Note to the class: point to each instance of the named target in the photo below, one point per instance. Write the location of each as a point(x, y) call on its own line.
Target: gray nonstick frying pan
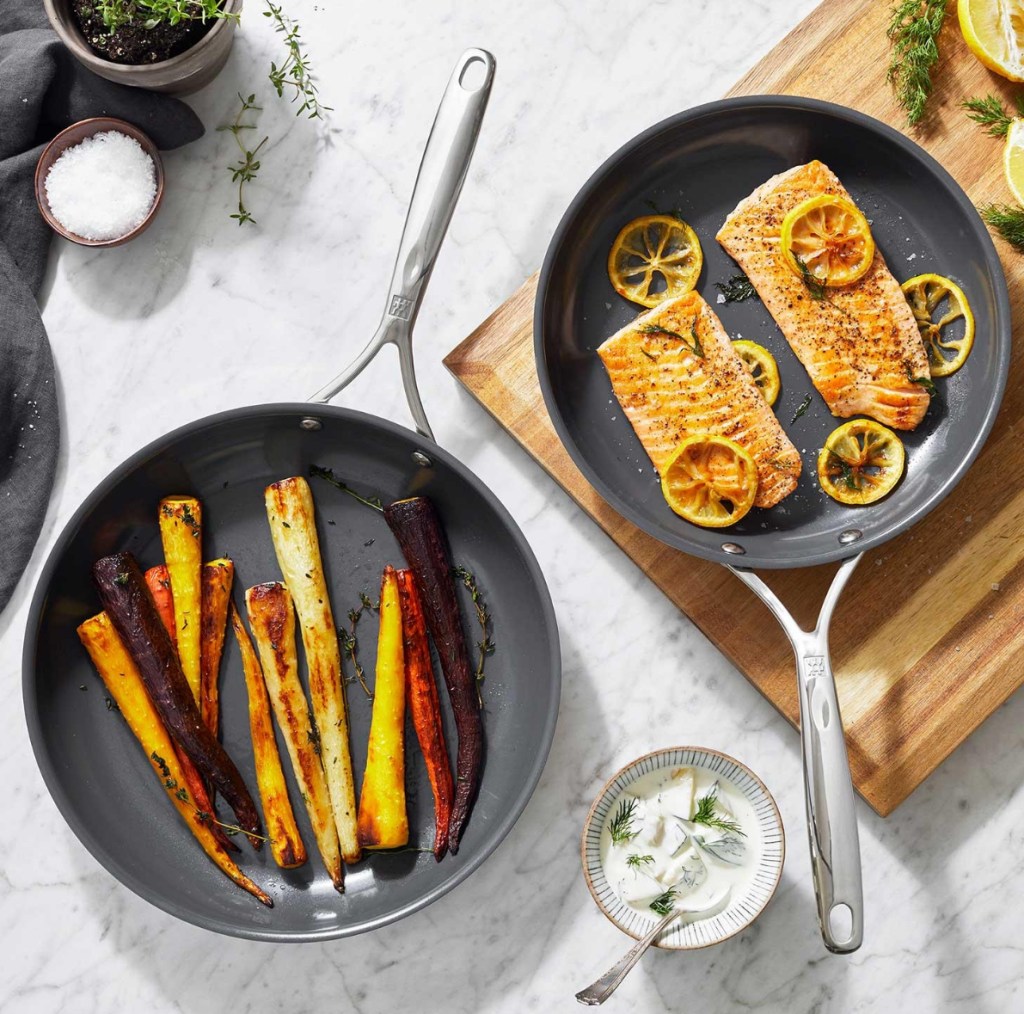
point(92, 765)
point(702, 162)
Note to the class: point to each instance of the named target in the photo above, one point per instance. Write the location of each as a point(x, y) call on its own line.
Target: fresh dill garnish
point(621, 825)
point(295, 73)
point(665, 902)
point(706, 807)
point(695, 347)
point(845, 469)
point(248, 165)
point(913, 30)
point(737, 289)
point(318, 472)
point(991, 114)
point(727, 849)
point(804, 406)
point(487, 646)
point(636, 860)
point(671, 213)
point(814, 285)
point(1007, 220)
point(926, 382)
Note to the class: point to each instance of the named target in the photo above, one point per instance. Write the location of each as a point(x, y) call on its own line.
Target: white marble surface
point(943, 876)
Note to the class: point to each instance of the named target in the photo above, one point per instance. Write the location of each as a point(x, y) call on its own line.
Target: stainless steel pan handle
point(831, 815)
point(438, 184)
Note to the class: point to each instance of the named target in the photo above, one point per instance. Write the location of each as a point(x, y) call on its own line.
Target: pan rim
point(751, 558)
point(499, 830)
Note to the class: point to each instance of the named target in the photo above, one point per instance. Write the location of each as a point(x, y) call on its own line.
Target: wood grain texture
point(924, 640)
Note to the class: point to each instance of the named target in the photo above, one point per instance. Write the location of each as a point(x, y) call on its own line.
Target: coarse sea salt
point(103, 187)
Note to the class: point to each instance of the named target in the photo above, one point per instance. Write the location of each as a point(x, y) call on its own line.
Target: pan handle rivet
point(731, 547)
point(421, 459)
point(850, 535)
point(311, 424)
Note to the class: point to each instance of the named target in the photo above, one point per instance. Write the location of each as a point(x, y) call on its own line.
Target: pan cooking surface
point(93, 765)
point(703, 162)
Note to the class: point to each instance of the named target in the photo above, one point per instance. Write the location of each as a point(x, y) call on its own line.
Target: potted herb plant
point(174, 46)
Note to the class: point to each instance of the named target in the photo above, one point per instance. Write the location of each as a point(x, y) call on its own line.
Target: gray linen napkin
point(42, 90)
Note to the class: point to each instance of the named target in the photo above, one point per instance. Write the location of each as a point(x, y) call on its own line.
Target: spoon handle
point(599, 991)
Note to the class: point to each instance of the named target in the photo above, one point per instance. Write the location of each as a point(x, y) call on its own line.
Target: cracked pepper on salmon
point(859, 343)
point(672, 384)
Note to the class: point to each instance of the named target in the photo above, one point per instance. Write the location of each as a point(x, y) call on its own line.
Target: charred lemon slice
point(926, 294)
point(861, 461)
point(827, 238)
point(762, 366)
point(655, 258)
point(710, 480)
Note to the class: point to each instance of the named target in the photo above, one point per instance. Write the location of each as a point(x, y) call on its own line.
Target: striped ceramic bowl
point(742, 910)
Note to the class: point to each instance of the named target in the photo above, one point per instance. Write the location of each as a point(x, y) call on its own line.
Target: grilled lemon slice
point(655, 258)
point(861, 461)
point(762, 366)
point(710, 480)
point(829, 239)
point(925, 294)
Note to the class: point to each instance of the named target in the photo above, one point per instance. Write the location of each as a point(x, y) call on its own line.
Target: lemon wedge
point(994, 33)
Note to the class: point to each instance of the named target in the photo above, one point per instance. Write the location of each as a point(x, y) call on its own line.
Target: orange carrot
point(425, 707)
point(159, 584)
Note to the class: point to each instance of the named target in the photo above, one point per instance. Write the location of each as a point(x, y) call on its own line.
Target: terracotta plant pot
point(184, 73)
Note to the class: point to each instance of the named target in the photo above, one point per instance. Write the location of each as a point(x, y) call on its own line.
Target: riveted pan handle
point(438, 184)
point(828, 789)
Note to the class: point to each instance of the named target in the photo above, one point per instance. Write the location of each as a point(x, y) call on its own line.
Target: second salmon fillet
point(860, 343)
point(672, 385)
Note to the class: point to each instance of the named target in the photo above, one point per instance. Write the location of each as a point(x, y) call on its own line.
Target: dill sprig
point(991, 114)
point(737, 289)
point(1007, 220)
point(487, 646)
point(349, 643)
point(248, 165)
point(913, 30)
point(814, 285)
point(926, 382)
point(296, 72)
point(665, 902)
point(846, 471)
point(636, 861)
point(706, 814)
point(803, 407)
point(621, 825)
point(668, 213)
point(694, 346)
point(318, 472)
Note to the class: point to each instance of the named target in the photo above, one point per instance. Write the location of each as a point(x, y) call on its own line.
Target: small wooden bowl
point(75, 134)
point(741, 911)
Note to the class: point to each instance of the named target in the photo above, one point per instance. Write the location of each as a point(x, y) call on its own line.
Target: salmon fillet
point(669, 391)
point(860, 343)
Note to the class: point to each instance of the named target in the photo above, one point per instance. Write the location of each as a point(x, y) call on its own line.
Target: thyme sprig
point(318, 472)
point(150, 13)
point(487, 646)
point(248, 165)
point(230, 829)
point(621, 825)
point(737, 289)
point(707, 807)
point(665, 902)
point(991, 114)
point(693, 344)
point(913, 30)
point(349, 642)
point(1007, 220)
point(296, 72)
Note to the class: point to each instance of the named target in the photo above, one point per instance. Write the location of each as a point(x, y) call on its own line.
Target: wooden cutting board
point(924, 638)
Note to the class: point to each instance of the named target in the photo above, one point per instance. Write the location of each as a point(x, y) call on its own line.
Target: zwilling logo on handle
point(814, 665)
point(400, 307)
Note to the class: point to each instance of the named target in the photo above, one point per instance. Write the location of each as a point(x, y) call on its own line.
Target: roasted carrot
point(272, 618)
point(285, 841)
point(383, 820)
point(127, 601)
point(216, 595)
point(417, 528)
point(160, 586)
point(158, 582)
point(181, 532)
point(121, 677)
point(425, 707)
point(292, 520)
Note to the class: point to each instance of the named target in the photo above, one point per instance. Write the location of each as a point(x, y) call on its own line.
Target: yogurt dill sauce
point(681, 839)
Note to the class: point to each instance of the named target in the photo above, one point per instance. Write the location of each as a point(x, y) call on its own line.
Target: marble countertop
point(943, 928)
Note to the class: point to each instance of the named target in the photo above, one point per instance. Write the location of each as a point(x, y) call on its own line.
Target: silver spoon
point(599, 991)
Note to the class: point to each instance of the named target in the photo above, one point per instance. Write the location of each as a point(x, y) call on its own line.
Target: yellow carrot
point(181, 532)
